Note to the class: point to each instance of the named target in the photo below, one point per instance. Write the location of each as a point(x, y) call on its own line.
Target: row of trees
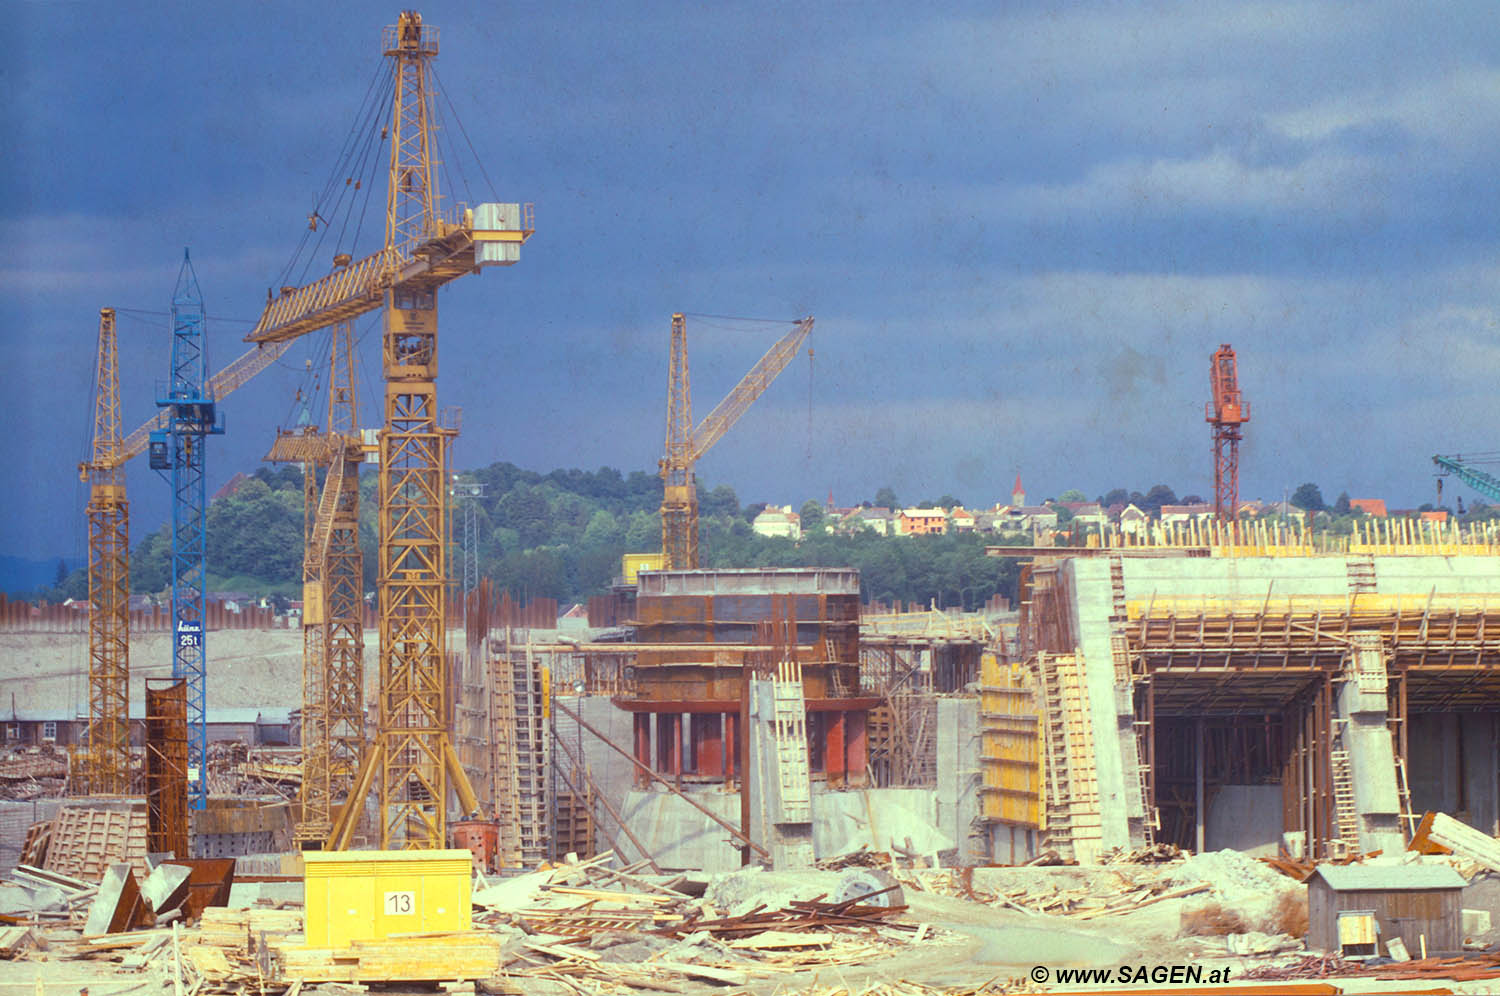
point(561, 535)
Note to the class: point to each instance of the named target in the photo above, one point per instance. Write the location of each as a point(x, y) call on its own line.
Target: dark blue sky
point(1022, 234)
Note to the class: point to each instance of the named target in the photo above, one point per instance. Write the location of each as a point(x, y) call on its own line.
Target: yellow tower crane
point(333, 735)
point(105, 767)
point(412, 765)
point(685, 444)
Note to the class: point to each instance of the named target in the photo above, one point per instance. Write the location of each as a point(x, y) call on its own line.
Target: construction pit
point(1171, 765)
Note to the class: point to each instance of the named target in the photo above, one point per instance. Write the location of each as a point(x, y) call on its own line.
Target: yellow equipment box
point(370, 895)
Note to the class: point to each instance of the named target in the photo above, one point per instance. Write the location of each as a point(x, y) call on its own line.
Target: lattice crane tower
point(412, 765)
point(179, 448)
point(1227, 412)
point(106, 763)
point(686, 444)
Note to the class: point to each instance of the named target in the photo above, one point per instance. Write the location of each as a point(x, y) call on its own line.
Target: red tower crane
point(1226, 413)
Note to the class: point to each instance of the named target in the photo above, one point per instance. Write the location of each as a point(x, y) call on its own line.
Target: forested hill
point(561, 535)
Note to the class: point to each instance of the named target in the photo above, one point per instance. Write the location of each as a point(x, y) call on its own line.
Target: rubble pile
point(33, 774)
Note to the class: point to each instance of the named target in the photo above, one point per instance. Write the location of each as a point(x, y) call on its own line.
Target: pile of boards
point(1081, 902)
point(575, 924)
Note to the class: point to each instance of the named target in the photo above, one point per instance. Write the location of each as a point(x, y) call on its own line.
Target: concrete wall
point(1244, 818)
point(1252, 577)
point(1115, 754)
point(1087, 586)
point(612, 773)
point(681, 837)
point(1435, 769)
point(958, 779)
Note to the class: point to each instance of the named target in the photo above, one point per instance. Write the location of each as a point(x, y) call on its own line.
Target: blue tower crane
point(177, 450)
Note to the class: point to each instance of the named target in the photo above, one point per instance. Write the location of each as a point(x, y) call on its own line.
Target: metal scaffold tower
point(106, 764)
point(191, 418)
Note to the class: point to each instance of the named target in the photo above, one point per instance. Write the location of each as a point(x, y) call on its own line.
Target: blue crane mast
point(178, 451)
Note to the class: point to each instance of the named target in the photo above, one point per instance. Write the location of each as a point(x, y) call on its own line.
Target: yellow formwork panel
point(371, 895)
point(631, 564)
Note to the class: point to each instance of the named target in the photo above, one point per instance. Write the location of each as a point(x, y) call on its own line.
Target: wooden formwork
point(86, 841)
point(1010, 758)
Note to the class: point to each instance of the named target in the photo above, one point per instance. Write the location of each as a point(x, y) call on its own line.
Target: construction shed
point(1409, 901)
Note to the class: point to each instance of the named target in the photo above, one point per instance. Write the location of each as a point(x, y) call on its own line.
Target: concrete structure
point(1359, 689)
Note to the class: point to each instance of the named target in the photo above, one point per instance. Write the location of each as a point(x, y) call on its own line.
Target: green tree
point(812, 517)
point(1153, 500)
point(1308, 498)
point(886, 498)
point(1072, 494)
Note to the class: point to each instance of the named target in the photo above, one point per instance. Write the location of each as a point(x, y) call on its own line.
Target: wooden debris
point(1459, 838)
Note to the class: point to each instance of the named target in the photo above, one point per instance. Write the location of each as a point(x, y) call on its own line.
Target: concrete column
point(731, 745)
point(673, 760)
point(642, 747)
point(1198, 785)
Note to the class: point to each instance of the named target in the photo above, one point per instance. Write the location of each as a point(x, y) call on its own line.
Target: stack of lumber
point(460, 955)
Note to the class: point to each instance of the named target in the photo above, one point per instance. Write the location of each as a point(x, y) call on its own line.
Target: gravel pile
point(1233, 875)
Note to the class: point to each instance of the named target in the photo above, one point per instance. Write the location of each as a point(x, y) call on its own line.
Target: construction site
point(1230, 754)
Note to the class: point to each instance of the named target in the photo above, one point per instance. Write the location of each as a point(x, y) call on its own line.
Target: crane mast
point(685, 445)
point(412, 765)
point(1227, 412)
point(679, 502)
point(179, 449)
point(106, 764)
point(333, 739)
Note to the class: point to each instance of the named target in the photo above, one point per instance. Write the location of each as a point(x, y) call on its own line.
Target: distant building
point(779, 520)
point(1018, 494)
point(876, 519)
point(1183, 514)
point(923, 521)
point(961, 520)
point(1027, 519)
point(1086, 512)
point(231, 486)
point(1373, 507)
point(1132, 521)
